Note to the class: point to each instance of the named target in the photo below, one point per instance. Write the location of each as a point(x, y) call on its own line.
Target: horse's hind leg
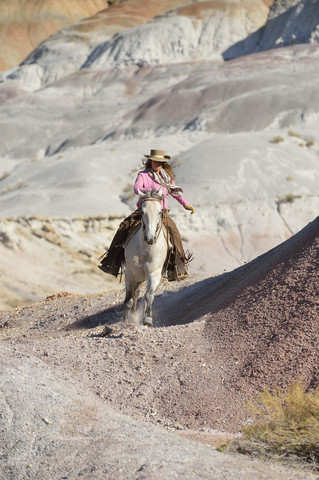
point(128, 301)
point(135, 297)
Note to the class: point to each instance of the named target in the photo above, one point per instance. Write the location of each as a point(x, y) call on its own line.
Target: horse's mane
point(152, 194)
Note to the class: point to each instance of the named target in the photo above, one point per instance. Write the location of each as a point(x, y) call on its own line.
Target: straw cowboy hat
point(158, 156)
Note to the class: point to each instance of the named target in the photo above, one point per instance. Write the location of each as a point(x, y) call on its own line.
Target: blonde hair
point(167, 167)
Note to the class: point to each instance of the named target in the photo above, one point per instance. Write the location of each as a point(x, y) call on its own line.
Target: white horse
point(145, 253)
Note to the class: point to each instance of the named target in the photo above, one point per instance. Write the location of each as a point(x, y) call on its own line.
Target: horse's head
point(151, 214)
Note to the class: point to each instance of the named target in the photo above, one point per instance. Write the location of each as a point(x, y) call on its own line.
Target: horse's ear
point(140, 193)
point(160, 192)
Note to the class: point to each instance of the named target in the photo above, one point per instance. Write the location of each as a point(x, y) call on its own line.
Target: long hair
point(167, 167)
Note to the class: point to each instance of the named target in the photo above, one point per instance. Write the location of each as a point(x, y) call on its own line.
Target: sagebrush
point(287, 425)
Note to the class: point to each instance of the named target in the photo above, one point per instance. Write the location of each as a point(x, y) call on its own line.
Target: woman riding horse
point(158, 173)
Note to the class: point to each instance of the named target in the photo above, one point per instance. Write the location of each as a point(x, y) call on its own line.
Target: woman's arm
point(182, 200)
point(139, 183)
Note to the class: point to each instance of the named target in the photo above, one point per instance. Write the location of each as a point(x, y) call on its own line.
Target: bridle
point(159, 224)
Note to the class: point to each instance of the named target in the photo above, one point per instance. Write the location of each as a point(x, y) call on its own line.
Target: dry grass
point(277, 139)
point(288, 198)
point(11, 188)
point(287, 426)
point(4, 175)
point(310, 143)
point(292, 133)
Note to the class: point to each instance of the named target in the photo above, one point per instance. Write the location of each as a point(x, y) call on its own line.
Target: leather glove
point(189, 207)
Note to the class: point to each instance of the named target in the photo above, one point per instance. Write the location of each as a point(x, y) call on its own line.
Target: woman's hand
point(189, 207)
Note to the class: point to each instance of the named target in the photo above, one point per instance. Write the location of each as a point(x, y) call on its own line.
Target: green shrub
point(287, 425)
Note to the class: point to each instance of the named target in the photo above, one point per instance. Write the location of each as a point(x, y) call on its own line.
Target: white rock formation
point(210, 27)
point(290, 22)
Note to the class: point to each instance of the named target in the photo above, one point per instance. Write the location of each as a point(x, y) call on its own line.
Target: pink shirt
point(145, 182)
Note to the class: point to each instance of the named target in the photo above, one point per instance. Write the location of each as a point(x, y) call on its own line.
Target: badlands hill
point(81, 110)
point(26, 23)
point(78, 385)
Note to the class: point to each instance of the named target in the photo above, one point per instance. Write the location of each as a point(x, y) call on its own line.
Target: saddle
point(112, 261)
point(171, 249)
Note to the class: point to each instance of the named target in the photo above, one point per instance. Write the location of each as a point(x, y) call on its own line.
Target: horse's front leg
point(130, 301)
point(153, 282)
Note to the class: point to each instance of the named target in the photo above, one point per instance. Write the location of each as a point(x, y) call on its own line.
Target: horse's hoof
point(148, 322)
